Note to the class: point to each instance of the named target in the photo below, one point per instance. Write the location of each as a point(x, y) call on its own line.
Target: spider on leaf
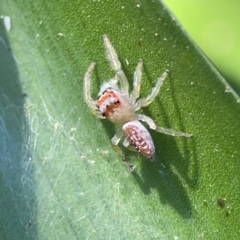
point(117, 105)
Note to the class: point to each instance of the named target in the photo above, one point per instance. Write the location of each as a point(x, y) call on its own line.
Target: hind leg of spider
point(115, 140)
point(128, 145)
point(167, 131)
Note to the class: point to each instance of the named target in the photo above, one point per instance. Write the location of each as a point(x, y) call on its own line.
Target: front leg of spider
point(117, 105)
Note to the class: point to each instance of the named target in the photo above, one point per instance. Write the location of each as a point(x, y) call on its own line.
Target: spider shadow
point(169, 176)
point(171, 172)
point(174, 169)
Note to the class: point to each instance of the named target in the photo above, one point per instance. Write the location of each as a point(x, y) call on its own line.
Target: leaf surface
point(60, 177)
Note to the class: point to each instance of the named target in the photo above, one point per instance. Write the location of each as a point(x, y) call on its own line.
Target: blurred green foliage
point(214, 26)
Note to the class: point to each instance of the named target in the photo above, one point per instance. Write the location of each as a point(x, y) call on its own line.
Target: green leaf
point(60, 177)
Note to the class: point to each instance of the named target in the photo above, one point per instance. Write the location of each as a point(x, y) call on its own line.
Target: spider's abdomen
point(115, 106)
point(140, 138)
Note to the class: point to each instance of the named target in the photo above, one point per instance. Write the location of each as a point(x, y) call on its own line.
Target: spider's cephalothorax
point(117, 105)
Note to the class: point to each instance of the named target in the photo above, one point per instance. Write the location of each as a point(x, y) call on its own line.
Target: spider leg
point(167, 131)
point(136, 83)
point(87, 92)
point(115, 140)
point(115, 64)
point(128, 145)
point(143, 102)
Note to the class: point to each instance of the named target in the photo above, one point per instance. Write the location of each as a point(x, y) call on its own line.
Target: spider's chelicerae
point(117, 105)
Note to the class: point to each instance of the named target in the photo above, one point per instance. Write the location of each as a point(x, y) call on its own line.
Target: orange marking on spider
point(108, 102)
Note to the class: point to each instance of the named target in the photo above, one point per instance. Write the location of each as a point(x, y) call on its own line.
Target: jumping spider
point(117, 105)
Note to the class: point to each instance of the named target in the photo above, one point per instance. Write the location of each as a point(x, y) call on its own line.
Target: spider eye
point(102, 93)
point(116, 102)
